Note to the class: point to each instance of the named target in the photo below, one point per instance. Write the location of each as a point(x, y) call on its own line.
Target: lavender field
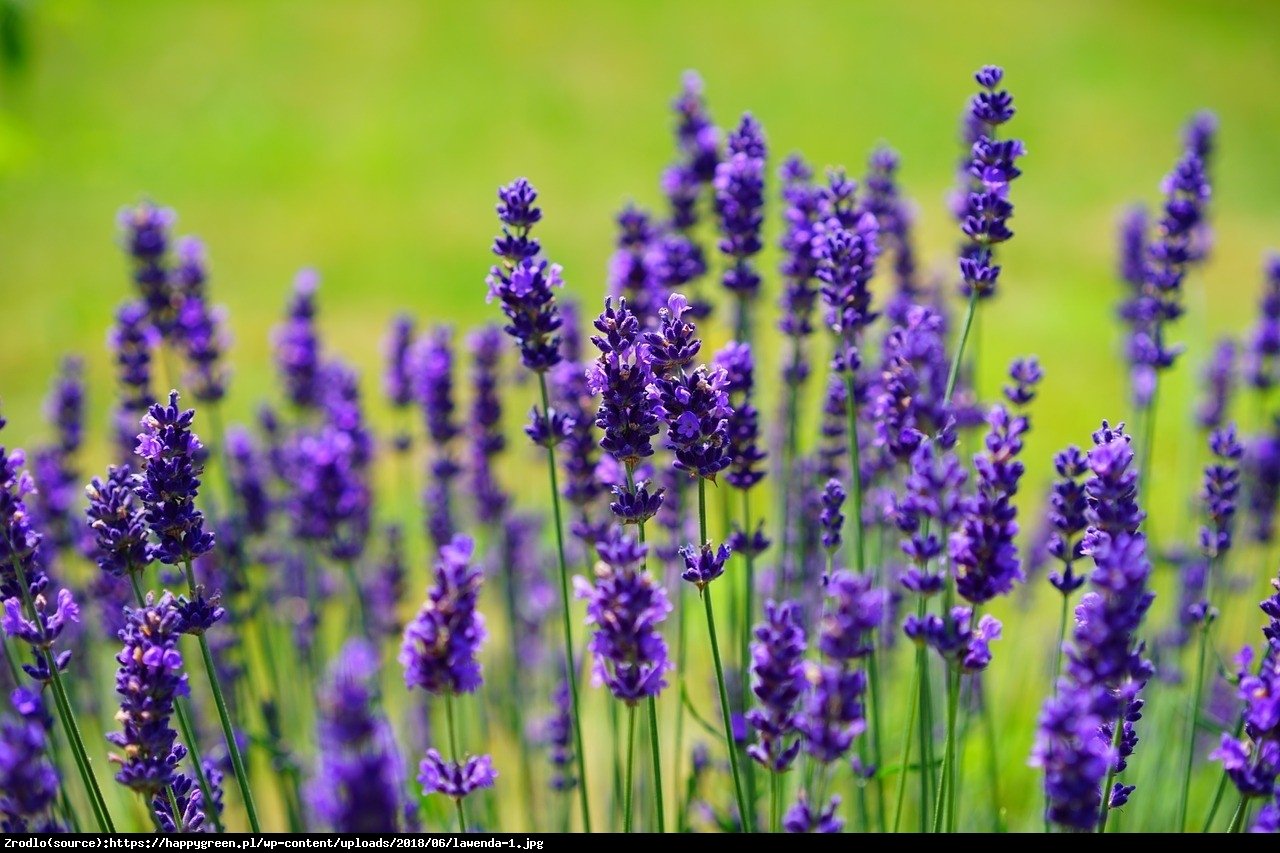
point(822, 507)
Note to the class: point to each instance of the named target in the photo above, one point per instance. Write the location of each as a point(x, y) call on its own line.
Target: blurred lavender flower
point(146, 239)
point(433, 375)
point(397, 377)
point(801, 817)
point(1221, 492)
point(743, 422)
point(1066, 517)
point(359, 779)
point(297, 344)
point(739, 197)
point(54, 467)
point(441, 643)
point(1219, 382)
point(777, 666)
point(485, 424)
point(28, 779)
point(893, 218)
point(133, 340)
point(456, 779)
point(1262, 352)
point(799, 266)
point(248, 471)
point(631, 273)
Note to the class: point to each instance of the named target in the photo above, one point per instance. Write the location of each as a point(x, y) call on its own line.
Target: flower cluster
point(739, 188)
point(778, 682)
point(743, 423)
point(28, 779)
point(298, 344)
point(441, 643)
point(523, 283)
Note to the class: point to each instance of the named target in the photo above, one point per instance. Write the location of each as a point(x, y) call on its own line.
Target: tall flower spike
point(522, 283)
point(833, 496)
point(621, 376)
point(992, 167)
point(627, 608)
point(28, 779)
point(744, 420)
point(133, 340)
point(360, 778)
point(631, 269)
point(433, 372)
point(1221, 492)
point(147, 236)
point(149, 680)
point(778, 682)
point(1112, 491)
point(1066, 516)
point(441, 643)
point(397, 379)
point(54, 465)
point(1262, 355)
point(799, 266)
point(298, 344)
point(739, 186)
point(202, 330)
point(1219, 381)
point(485, 424)
point(169, 482)
point(847, 257)
point(118, 522)
point(893, 216)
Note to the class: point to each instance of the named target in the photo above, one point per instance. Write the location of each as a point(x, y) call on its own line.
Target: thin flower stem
point(184, 724)
point(744, 664)
point(942, 809)
point(1197, 693)
point(1148, 445)
point(905, 755)
point(775, 802)
point(790, 448)
point(515, 686)
point(1237, 819)
point(228, 731)
point(652, 702)
point(453, 754)
point(953, 375)
point(743, 813)
point(630, 782)
point(65, 713)
point(564, 614)
point(926, 731)
point(349, 568)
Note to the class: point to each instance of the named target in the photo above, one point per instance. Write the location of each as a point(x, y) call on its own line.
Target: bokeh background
point(366, 139)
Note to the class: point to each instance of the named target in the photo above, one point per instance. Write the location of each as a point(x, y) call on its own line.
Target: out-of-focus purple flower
point(397, 376)
point(743, 421)
point(983, 553)
point(1268, 819)
point(385, 587)
point(573, 396)
point(854, 611)
point(832, 446)
point(297, 344)
point(799, 266)
point(992, 168)
point(894, 218)
point(1025, 374)
point(1221, 492)
point(777, 666)
point(433, 379)
point(1219, 382)
point(1074, 758)
point(190, 271)
point(248, 471)
point(631, 270)
point(954, 636)
point(704, 564)
point(833, 496)
point(455, 779)
point(832, 714)
point(28, 779)
point(1262, 483)
point(202, 331)
point(558, 730)
point(439, 653)
point(118, 522)
point(802, 817)
point(933, 503)
point(550, 428)
point(627, 608)
point(846, 263)
point(133, 340)
point(359, 781)
point(1262, 353)
point(170, 481)
point(894, 405)
point(146, 239)
point(698, 141)
point(54, 465)
point(739, 195)
point(523, 283)
point(485, 424)
point(149, 680)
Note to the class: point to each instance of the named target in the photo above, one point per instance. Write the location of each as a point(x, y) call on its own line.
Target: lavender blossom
point(1066, 517)
point(1221, 492)
point(485, 424)
point(28, 779)
point(801, 817)
point(54, 466)
point(359, 777)
point(397, 377)
point(149, 680)
point(133, 340)
point(441, 643)
point(573, 396)
point(248, 473)
point(739, 196)
point(627, 608)
point(201, 329)
point(799, 266)
point(1262, 352)
point(698, 141)
point(559, 735)
point(777, 666)
point(631, 275)
point(743, 423)
point(621, 376)
point(191, 815)
point(695, 407)
point(433, 373)
point(169, 482)
point(118, 522)
point(456, 779)
point(992, 168)
point(894, 218)
point(847, 258)
point(297, 344)
point(523, 283)
point(146, 239)
point(833, 496)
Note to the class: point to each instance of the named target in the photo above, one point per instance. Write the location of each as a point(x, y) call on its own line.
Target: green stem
point(1197, 693)
point(630, 781)
point(228, 731)
point(65, 713)
point(1148, 445)
point(743, 813)
point(942, 809)
point(993, 761)
point(954, 374)
point(515, 686)
point(904, 758)
point(1237, 819)
point(564, 614)
point(349, 568)
point(453, 754)
point(744, 664)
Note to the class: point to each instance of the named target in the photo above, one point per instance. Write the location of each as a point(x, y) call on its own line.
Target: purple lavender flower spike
point(169, 482)
point(621, 376)
point(523, 283)
point(982, 550)
point(456, 779)
point(359, 777)
point(1066, 517)
point(675, 344)
point(856, 609)
point(744, 420)
point(146, 238)
point(627, 608)
point(550, 428)
point(832, 520)
point(739, 196)
point(201, 329)
point(799, 265)
point(895, 403)
point(1074, 759)
point(397, 377)
point(249, 472)
point(433, 374)
point(1263, 483)
point(846, 264)
point(188, 797)
point(698, 141)
point(54, 465)
point(133, 340)
point(190, 271)
point(439, 653)
point(1262, 352)
point(298, 344)
point(485, 424)
point(1221, 492)
point(992, 168)
point(894, 218)
point(632, 267)
point(695, 407)
point(777, 666)
point(149, 680)
point(118, 522)
point(573, 395)
point(1219, 382)
point(833, 713)
point(802, 818)
point(28, 778)
point(558, 731)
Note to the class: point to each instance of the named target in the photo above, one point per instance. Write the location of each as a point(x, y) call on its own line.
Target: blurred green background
point(366, 139)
